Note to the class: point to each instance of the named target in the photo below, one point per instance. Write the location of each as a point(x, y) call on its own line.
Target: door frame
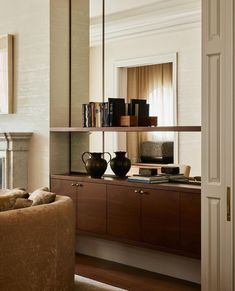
point(218, 149)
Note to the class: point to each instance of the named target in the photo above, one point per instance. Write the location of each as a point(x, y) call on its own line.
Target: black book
point(116, 109)
point(105, 114)
point(85, 115)
point(89, 115)
point(137, 106)
point(143, 110)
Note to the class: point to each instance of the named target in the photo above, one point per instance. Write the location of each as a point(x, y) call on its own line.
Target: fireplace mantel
point(14, 148)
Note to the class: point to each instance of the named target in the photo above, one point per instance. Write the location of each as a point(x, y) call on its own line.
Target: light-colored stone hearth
point(14, 148)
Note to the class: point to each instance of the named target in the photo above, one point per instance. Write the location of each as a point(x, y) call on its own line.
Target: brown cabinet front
point(160, 218)
point(123, 212)
point(65, 188)
point(91, 207)
point(190, 221)
point(89, 203)
point(166, 219)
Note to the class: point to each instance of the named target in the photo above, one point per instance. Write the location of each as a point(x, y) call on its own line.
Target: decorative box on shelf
point(131, 120)
point(147, 121)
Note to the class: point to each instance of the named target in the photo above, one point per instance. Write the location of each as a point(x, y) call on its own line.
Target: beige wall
point(59, 81)
point(59, 84)
point(187, 43)
point(28, 21)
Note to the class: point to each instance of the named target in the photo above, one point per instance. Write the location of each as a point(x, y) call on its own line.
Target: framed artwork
point(6, 74)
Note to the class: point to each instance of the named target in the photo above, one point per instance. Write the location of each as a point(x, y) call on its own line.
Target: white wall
point(187, 43)
point(28, 21)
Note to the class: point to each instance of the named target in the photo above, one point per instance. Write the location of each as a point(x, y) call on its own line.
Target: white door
point(217, 145)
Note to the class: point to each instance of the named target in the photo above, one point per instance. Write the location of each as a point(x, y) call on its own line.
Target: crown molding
point(160, 17)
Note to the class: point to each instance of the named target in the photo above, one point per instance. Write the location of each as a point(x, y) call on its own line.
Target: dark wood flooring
point(129, 278)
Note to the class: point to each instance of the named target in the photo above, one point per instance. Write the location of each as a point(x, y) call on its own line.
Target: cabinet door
point(64, 188)
point(123, 212)
point(160, 218)
point(91, 208)
point(190, 221)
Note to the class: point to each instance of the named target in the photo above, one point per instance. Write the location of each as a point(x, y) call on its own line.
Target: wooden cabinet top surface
point(112, 180)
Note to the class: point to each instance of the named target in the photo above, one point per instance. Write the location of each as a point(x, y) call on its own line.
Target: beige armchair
point(37, 247)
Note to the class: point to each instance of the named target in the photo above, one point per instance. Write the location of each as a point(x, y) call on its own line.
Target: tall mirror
point(152, 52)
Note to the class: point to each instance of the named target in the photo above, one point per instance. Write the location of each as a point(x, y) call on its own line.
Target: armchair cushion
point(42, 196)
point(17, 192)
point(8, 202)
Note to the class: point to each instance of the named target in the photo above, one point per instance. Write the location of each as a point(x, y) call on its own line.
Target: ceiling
point(114, 6)
point(132, 18)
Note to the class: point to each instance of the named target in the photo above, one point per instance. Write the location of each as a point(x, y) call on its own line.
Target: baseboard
point(163, 263)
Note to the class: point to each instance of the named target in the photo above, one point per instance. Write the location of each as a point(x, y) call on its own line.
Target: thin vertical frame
point(6, 74)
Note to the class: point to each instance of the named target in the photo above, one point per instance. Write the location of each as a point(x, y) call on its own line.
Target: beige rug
point(85, 284)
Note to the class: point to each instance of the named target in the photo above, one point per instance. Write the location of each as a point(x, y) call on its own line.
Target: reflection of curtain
point(3, 76)
point(153, 83)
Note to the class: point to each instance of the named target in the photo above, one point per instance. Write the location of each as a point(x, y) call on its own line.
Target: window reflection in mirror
point(6, 70)
point(153, 83)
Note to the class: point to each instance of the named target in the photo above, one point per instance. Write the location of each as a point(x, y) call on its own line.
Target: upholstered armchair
point(37, 247)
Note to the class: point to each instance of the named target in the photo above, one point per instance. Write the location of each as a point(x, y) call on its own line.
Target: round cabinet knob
point(79, 185)
point(136, 191)
point(142, 192)
point(73, 184)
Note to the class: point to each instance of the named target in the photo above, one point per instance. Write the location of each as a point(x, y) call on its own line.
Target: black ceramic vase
point(95, 165)
point(120, 165)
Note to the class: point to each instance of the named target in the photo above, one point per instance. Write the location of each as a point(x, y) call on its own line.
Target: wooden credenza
point(166, 216)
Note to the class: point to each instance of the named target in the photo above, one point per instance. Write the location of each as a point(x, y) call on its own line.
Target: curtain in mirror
point(154, 84)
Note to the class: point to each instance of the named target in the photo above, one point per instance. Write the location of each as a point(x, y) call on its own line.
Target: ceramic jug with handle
point(95, 164)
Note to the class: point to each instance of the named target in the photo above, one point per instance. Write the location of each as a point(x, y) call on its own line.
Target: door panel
point(217, 139)
point(160, 218)
point(64, 188)
point(123, 212)
point(91, 207)
point(190, 223)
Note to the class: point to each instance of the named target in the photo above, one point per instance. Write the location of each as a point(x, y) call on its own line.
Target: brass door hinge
point(228, 204)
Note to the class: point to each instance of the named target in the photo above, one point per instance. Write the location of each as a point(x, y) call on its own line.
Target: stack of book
point(111, 113)
point(148, 179)
point(180, 178)
point(103, 114)
point(162, 178)
point(95, 114)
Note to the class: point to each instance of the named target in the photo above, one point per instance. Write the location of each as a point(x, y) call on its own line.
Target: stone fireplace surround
point(14, 148)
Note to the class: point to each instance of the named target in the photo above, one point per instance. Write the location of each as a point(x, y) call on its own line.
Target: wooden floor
point(127, 277)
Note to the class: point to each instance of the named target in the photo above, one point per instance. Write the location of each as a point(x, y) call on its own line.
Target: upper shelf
point(127, 129)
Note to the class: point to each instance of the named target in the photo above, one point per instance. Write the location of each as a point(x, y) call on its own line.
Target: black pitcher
point(120, 165)
point(95, 165)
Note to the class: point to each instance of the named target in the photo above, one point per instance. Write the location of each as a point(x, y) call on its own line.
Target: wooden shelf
point(127, 129)
point(113, 180)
